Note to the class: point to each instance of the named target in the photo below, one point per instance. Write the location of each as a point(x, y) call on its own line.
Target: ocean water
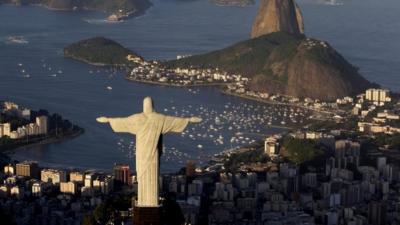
point(364, 31)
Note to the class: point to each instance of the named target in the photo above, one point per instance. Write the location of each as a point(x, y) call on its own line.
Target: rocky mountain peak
point(278, 16)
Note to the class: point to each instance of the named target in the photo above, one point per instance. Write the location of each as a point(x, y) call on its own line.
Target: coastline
point(271, 102)
point(131, 14)
point(223, 91)
point(175, 85)
point(221, 86)
point(10, 148)
point(92, 63)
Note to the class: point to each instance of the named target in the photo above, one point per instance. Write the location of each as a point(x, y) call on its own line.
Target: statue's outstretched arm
point(195, 120)
point(103, 119)
point(177, 124)
point(128, 124)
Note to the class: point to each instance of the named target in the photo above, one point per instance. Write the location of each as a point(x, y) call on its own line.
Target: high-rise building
point(377, 212)
point(53, 176)
point(103, 184)
point(122, 174)
point(9, 169)
point(345, 148)
point(309, 180)
point(68, 188)
point(377, 95)
point(39, 187)
point(271, 146)
point(5, 130)
point(27, 169)
point(42, 122)
point(17, 192)
point(381, 164)
point(89, 177)
point(76, 177)
point(190, 168)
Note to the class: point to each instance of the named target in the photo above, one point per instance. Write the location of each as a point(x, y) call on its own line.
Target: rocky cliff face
point(276, 16)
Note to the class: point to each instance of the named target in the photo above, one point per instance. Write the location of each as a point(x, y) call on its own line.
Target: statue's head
point(148, 105)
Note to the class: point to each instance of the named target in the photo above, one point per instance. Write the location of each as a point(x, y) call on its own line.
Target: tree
point(88, 220)
point(171, 211)
point(103, 212)
point(300, 150)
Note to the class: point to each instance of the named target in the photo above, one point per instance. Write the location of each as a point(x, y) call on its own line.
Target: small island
point(240, 3)
point(100, 51)
point(22, 127)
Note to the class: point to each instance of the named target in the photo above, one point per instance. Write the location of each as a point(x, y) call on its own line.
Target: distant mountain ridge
point(118, 7)
point(241, 3)
point(282, 63)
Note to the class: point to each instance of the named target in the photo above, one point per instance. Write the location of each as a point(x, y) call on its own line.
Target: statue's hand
point(102, 119)
point(195, 120)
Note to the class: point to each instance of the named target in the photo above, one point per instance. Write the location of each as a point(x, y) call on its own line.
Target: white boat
point(109, 88)
point(333, 2)
point(17, 40)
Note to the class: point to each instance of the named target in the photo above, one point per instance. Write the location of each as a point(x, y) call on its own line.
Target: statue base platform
point(146, 215)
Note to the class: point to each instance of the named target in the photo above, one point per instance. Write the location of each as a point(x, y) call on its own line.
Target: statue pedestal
point(146, 215)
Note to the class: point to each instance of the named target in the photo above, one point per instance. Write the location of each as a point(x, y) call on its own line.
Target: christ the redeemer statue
point(148, 126)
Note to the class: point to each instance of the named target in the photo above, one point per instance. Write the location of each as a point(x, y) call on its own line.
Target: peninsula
point(99, 51)
point(21, 127)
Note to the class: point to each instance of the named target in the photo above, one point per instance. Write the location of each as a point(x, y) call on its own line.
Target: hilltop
point(99, 51)
point(278, 16)
point(282, 63)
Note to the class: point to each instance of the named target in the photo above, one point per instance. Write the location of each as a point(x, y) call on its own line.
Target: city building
point(9, 170)
point(42, 123)
point(38, 188)
point(27, 169)
point(5, 130)
point(76, 176)
point(68, 187)
point(271, 146)
point(122, 174)
point(53, 176)
point(103, 184)
point(89, 177)
point(377, 213)
point(17, 192)
point(377, 96)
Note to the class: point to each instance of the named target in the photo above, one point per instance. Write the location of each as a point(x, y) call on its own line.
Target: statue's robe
point(148, 127)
